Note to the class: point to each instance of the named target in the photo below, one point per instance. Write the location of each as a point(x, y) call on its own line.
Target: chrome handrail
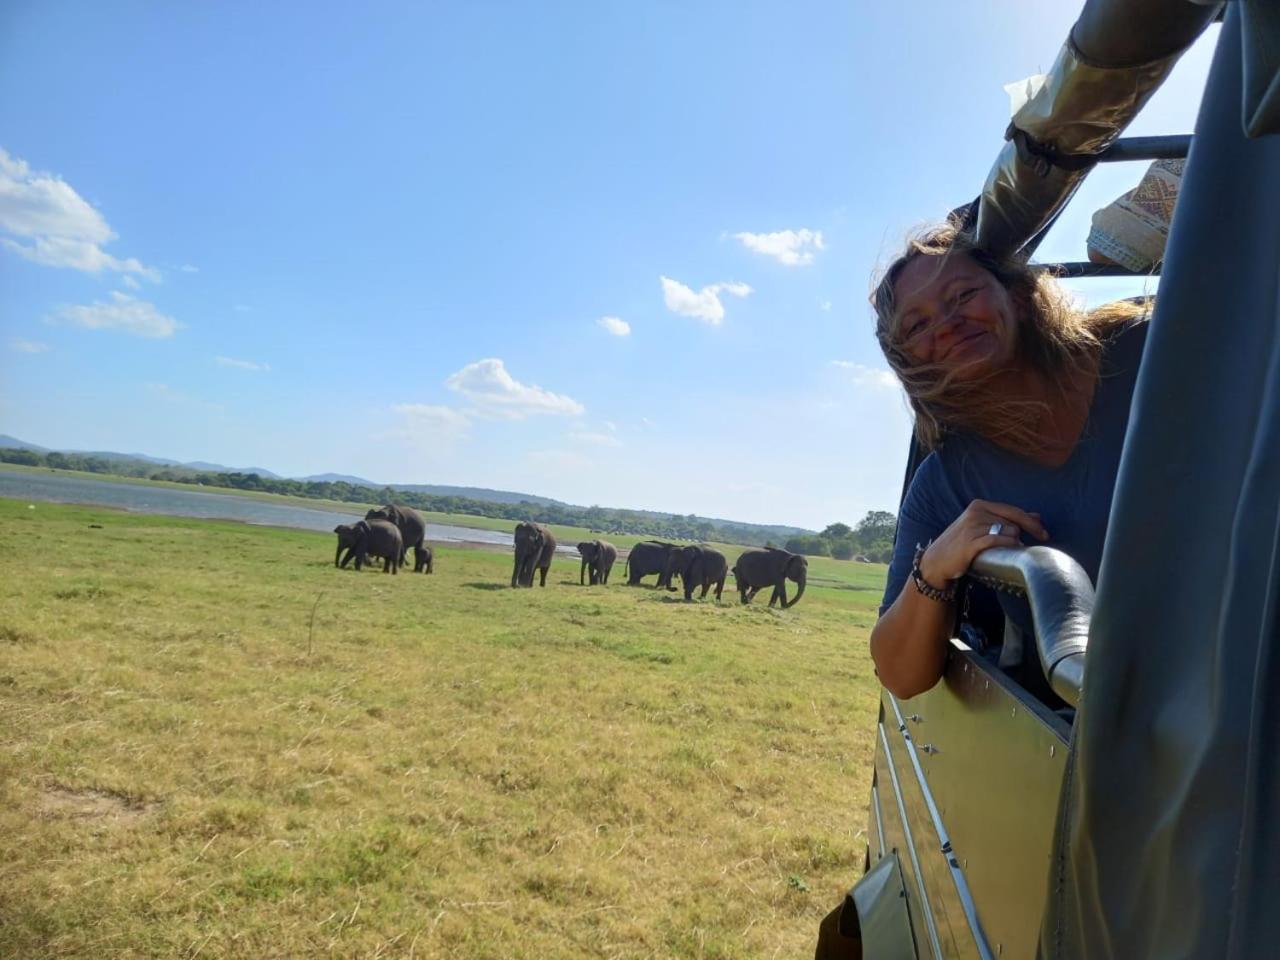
point(1060, 595)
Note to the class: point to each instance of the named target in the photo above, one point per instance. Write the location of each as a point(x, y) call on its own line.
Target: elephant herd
point(386, 533)
point(696, 566)
point(390, 531)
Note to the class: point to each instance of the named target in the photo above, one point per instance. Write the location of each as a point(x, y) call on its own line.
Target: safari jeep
point(1131, 808)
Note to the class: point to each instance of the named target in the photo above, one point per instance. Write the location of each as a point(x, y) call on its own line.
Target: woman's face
point(953, 313)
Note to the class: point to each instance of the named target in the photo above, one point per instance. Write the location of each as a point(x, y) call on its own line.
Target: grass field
point(435, 767)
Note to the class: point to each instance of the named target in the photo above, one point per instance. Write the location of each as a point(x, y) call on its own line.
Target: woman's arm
point(909, 641)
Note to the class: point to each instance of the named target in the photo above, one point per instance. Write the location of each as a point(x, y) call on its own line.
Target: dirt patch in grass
point(59, 802)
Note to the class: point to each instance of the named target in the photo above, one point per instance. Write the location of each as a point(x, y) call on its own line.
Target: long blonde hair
point(1055, 340)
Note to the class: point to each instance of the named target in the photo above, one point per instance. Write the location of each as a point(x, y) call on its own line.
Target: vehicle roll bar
point(1061, 598)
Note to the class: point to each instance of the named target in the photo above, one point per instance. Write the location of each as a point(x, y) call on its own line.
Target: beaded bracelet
point(924, 586)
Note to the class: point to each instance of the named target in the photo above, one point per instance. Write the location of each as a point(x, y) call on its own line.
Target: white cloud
point(189, 268)
point(131, 283)
point(824, 306)
point(425, 421)
point(794, 248)
point(865, 376)
point(60, 228)
point(488, 385)
point(241, 308)
point(124, 313)
point(28, 346)
point(610, 425)
point(242, 364)
point(595, 439)
point(705, 304)
point(615, 325)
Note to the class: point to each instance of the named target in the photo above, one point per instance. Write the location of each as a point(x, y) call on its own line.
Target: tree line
point(871, 539)
point(844, 545)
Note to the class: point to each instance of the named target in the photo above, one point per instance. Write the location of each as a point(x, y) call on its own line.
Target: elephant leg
point(582, 570)
point(543, 571)
point(337, 554)
point(706, 585)
point(719, 590)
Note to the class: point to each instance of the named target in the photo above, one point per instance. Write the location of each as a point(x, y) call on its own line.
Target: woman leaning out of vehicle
point(1022, 400)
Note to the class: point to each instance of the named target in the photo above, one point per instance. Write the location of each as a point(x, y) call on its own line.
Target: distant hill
point(14, 443)
point(481, 501)
point(477, 493)
point(338, 478)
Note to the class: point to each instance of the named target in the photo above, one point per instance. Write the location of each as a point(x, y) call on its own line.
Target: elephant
point(698, 566)
point(770, 567)
point(411, 524)
point(599, 556)
point(348, 537)
point(535, 547)
point(646, 557)
point(423, 559)
point(379, 538)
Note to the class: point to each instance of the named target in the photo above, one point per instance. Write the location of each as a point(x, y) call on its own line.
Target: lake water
point(148, 498)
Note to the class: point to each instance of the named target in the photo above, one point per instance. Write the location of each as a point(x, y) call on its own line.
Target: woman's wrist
point(929, 570)
point(927, 580)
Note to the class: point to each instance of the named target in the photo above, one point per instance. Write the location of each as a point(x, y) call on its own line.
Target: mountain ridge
point(484, 494)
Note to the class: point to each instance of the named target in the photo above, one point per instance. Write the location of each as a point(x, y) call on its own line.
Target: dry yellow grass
point(439, 767)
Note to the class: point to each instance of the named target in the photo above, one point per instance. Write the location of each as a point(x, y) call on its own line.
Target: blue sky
point(614, 253)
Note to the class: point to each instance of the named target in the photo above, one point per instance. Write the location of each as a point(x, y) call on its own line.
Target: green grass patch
point(192, 763)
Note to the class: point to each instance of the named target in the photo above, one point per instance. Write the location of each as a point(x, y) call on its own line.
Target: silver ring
point(996, 530)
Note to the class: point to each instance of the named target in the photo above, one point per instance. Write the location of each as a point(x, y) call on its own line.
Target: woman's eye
point(966, 294)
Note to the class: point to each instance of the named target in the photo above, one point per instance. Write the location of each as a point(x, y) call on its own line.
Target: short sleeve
point(925, 513)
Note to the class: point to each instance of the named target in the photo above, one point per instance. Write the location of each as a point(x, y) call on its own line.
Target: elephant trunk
point(582, 571)
point(800, 582)
point(337, 554)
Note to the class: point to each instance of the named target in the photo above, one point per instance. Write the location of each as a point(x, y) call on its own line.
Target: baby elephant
point(378, 538)
point(348, 537)
point(423, 559)
point(698, 567)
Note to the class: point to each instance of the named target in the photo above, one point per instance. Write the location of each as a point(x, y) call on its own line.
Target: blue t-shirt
point(1073, 500)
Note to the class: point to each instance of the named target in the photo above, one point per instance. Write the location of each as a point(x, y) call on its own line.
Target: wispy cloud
point(616, 326)
point(438, 424)
point(793, 248)
point(189, 268)
point(242, 364)
point(824, 306)
point(55, 226)
point(865, 376)
point(705, 304)
point(131, 283)
point(28, 346)
point(167, 394)
point(124, 313)
point(242, 308)
point(493, 390)
point(595, 439)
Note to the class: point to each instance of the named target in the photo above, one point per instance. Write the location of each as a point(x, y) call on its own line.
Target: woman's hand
point(983, 524)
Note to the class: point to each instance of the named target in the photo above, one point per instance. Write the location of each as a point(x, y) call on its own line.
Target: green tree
point(844, 548)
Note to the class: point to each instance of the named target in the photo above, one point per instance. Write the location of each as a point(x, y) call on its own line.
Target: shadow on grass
point(487, 586)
